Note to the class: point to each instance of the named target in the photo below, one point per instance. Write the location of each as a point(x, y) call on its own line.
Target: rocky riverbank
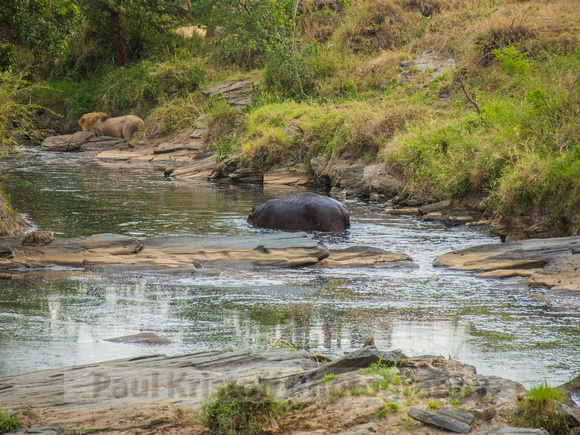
point(110, 252)
point(188, 155)
point(551, 263)
point(351, 395)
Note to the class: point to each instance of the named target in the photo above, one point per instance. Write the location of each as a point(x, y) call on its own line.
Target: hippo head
point(250, 219)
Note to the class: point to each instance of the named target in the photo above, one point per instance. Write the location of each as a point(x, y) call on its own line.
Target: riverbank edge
point(349, 395)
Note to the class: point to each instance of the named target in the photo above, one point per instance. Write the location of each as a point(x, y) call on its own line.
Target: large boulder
point(303, 212)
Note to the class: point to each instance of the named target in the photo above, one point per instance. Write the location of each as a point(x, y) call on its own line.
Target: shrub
point(387, 408)
point(17, 114)
point(237, 408)
point(221, 118)
point(7, 422)
point(541, 410)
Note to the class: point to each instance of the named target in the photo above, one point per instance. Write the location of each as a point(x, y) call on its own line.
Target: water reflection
point(56, 319)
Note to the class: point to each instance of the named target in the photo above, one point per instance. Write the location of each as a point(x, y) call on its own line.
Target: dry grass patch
point(381, 25)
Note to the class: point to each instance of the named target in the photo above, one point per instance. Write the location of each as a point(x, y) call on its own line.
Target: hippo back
point(303, 212)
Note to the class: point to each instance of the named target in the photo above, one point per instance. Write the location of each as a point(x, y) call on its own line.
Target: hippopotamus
point(302, 212)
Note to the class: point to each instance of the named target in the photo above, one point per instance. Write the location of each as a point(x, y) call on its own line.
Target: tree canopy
point(42, 26)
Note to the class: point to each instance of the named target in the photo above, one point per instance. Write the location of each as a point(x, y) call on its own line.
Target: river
point(58, 318)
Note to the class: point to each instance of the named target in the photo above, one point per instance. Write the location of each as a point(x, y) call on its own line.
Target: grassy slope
point(515, 157)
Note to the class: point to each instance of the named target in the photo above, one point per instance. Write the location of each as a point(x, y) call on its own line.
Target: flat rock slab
point(80, 141)
point(353, 361)
point(186, 379)
point(110, 252)
point(137, 393)
point(552, 263)
point(439, 420)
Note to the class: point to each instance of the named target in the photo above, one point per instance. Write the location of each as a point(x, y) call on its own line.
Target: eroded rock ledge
point(186, 253)
point(553, 263)
point(158, 392)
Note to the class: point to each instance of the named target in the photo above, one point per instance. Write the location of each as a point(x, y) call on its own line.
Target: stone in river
point(143, 338)
point(38, 238)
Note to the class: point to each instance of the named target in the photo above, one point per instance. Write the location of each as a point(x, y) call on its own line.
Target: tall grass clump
point(237, 408)
point(7, 422)
point(541, 409)
point(222, 120)
point(17, 113)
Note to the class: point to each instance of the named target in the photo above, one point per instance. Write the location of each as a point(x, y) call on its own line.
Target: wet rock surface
point(143, 338)
point(552, 263)
point(112, 252)
point(80, 141)
point(129, 394)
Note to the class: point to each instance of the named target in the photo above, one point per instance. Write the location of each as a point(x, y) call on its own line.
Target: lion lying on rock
point(103, 125)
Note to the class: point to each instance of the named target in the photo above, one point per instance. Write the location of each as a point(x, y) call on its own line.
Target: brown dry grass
point(381, 25)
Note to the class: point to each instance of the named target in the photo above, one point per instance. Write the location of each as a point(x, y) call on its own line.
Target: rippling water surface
point(58, 318)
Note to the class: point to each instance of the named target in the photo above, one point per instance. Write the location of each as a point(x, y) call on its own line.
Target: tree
point(249, 29)
point(126, 24)
point(42, 26)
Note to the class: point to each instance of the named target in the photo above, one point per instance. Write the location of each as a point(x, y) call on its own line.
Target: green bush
point(136, 89)
point(17, 114)
point(540, 409)
point(236, 408)
point(7, 422)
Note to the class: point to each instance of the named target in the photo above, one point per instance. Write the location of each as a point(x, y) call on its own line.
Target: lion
point(103, 125)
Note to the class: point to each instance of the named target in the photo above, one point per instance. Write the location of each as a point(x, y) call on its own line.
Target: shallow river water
point(60, 318)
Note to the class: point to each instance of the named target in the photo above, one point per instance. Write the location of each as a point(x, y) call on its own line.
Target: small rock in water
point(435, 277)
point(38, 238)
point(143, 338)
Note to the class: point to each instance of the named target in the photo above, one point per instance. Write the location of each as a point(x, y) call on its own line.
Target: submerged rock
point(80, 141)
point(183, 254)
point(142, 338)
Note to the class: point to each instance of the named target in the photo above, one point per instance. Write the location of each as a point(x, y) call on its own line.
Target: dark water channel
point(59, 318)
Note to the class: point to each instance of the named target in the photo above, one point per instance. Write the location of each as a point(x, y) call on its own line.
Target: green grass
point(433, 404)
point(7, 422)
point(387, 408)
point(541, 410)
point(360, 392)
point(336, 394)
point(137, 89)
point(237, 408)
point(390, 375)
point(328, 377)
